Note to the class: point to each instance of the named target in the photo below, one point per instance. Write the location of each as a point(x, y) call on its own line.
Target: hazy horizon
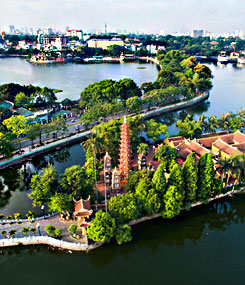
point(149, 16)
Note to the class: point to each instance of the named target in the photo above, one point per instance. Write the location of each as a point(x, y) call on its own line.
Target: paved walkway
point(54, 221)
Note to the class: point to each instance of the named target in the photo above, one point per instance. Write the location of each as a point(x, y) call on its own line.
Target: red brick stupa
point(125, 159)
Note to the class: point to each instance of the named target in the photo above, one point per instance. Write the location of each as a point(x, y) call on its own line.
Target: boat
point(241, 60)
point(222, 58)
point(127, 57)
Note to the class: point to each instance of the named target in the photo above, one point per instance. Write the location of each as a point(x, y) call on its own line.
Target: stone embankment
point(37, 240)
point(43, 149)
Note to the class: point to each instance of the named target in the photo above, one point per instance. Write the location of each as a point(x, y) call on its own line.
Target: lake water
point(202, 246)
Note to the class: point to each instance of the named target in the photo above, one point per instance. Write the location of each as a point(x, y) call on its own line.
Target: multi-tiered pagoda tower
point(125, 159)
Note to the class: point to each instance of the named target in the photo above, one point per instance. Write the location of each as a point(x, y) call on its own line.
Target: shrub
point(57, 232)
point(49, 229)
point(72, 229)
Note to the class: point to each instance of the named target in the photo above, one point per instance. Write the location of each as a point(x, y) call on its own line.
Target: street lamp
point(42, 208)
point(38, 228)
point(105, 194)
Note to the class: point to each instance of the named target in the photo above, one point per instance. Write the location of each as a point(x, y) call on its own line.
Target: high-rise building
point(11, 29)
point(197, 33)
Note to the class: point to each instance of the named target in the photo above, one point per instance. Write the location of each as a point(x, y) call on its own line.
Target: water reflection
point(17, 179)
point(193, 226)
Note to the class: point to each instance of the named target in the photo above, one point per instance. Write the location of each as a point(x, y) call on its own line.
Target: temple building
point(82, 212)
point(107, 162)
point(125, 160)
point(142, 162)
point(221, 145)
point(116, 180)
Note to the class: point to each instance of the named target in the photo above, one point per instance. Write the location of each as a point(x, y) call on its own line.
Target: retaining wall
point(43, 149)
point(176, 106)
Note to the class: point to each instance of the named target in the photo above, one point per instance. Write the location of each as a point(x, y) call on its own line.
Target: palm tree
point(212, 124)
point(225, 168)
point(202, 120)
point(238, 165)
point(224, 121)
point(1, 216)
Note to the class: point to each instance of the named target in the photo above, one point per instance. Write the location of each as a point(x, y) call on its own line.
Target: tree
point(102, 227)
point(75, 181)
point(154, 130)
point(203, 71)
point(123, 234)
point(143, 148)
point(189, 128)
point(176, 178)
point(61, 202)
point(49, 229)
point(57, 233)
point(30, 215)
point(44, 185)
point(72, 229)
point(12, 233)
point(190, 177)
point(212, 124)
point(173, 201)
point(9, 218)
point(225, 168)
point(33, 230)
point(134, 104)
point(17, 125)
point(123, 208)
point(166, 155)
point(17, 216)
point(6, 147)
point(25, 230)
point(3, 232)
point(135, 177)
point(206, 174)
point(21, 100)
point(238, 164)
point(159, 181)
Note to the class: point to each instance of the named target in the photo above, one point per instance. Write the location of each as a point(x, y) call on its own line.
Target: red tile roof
point(223, 146)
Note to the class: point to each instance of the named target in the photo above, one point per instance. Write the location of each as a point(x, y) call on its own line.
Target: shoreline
point(61, 244)
point(80, 136)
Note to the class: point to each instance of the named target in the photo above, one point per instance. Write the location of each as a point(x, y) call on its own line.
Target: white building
point(75, 33)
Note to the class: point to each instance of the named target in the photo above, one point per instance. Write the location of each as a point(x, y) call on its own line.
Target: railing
point(27, 220)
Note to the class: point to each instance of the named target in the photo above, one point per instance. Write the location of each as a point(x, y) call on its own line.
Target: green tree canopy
point(75, 181)
point(173, 201)
point(123, 234)
point(44, 185)
point(123, 208)
point(61, 202)
point(190, 177)
point(102, 227)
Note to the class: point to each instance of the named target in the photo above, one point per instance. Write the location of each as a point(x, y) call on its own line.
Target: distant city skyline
point(134, 15)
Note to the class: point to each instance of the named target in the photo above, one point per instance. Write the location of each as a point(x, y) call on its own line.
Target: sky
point(151, 16)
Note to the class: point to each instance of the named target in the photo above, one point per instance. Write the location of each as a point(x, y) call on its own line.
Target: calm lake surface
point(202, 246)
